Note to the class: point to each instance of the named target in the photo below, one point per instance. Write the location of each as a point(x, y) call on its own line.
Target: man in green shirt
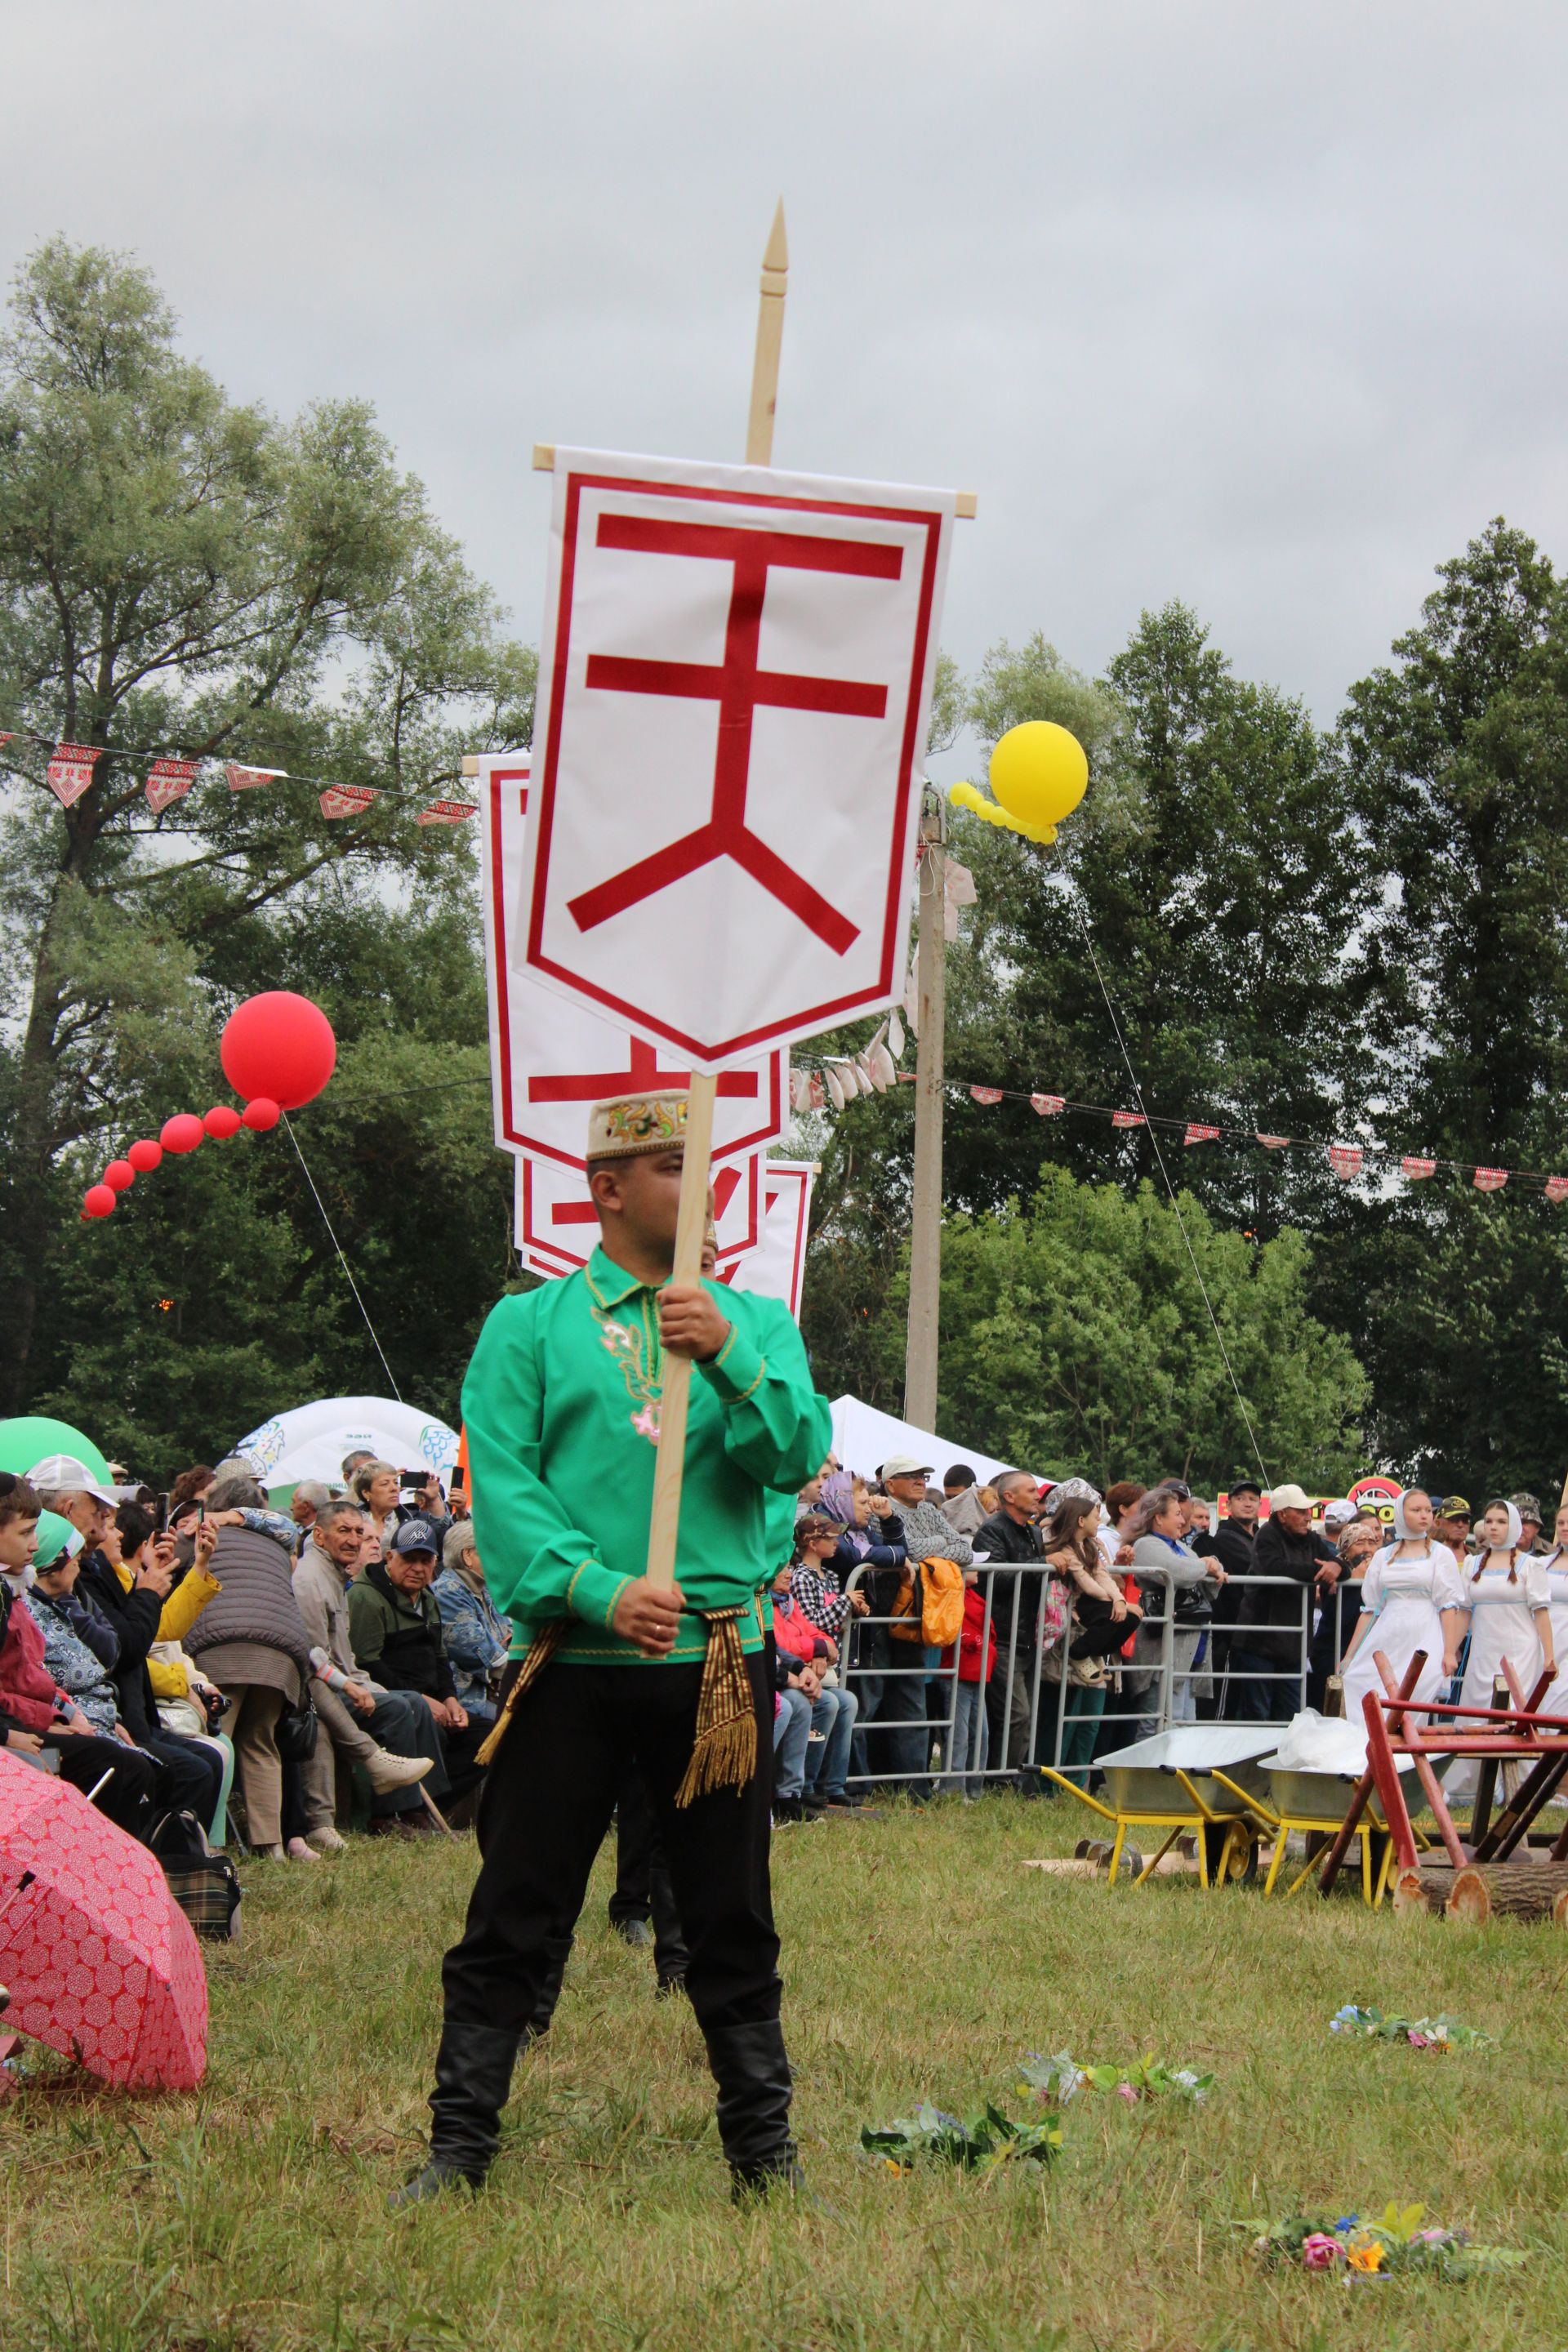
point(561, 1406)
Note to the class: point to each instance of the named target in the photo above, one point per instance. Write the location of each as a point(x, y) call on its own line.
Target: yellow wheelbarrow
point(1196, 1779)
point(1316, 1803)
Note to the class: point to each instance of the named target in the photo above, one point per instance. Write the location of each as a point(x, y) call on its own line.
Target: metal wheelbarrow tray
point(1200, 1777)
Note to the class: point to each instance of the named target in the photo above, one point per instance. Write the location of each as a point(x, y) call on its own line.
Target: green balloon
point(27, 1440)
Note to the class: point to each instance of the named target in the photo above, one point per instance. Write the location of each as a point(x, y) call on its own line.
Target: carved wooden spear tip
point(770, 342)
point(775, 260)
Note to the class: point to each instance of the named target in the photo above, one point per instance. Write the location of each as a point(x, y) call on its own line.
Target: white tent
point(311, 1441)
point(864, 1439)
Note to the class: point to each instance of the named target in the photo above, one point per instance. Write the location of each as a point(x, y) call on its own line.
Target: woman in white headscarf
point(1411, 1599)
point(1507, 1599)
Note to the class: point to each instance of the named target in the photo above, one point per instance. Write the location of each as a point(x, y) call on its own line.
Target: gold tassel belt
point(724, 1753)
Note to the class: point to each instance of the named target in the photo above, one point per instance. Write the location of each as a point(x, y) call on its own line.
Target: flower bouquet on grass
point(1056, 2080)
point(973, 2143)
point(1393, 2246)
point(1444, 2033)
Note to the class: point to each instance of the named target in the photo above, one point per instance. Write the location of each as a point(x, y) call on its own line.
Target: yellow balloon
point(1038, 772)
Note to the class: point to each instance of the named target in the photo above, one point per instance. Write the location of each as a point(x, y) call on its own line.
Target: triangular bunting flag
point(169, 779)
point(69, 772)
point(1415, 1168)
point(346, 800)
point(448, 813)
point(1557, 1188)
point(985, 1094)
point(1491, 1179)
point(800, 1090)
point(240, 780)
point(1127, 1119)
point(1273, 1142)
point(818, 1092)
point(1345, 1158)
point(1049, 1105)
point(1197, 1134)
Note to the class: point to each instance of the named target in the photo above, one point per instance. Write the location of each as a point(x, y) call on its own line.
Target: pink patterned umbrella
point(101, 1962)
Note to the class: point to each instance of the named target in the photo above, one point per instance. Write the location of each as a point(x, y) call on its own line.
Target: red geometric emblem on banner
point(734, 683)
point(69, 772)
point(168, 780)
point(1491, 1179)
point(1345, 1158)
point(1416, 1168)
point(1197, 1134)
point(556, 1218)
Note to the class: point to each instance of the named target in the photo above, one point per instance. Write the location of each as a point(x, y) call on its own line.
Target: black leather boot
point(669, 1953)
point(473, 2077)
point(752, 2074)
point(558, 1949)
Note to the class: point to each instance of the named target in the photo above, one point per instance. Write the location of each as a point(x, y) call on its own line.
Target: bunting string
point(1346, 1161)
point(71, 768)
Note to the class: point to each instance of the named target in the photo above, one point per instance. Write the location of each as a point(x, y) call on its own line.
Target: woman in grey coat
point(1179, 1584)
point(251, 1640)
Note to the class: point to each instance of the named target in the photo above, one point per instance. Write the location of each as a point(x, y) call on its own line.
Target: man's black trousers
point(546, 1805)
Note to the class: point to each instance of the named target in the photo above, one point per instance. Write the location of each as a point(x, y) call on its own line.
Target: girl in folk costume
point(1412, 1597)
point(1510, 1618)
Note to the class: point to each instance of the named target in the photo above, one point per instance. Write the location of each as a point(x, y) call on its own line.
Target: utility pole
point(925, 1231)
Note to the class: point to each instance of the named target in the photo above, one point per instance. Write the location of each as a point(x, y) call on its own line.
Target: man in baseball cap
point(70, 1487)
point(1265, 1663)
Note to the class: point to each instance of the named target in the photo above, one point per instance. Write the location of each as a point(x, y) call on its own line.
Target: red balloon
point(183, 1132)
point(119, 1175)
point(146, 1155)
point(99, 1200)
point(261, 1112)
point(279, 1045)
point(221, 1122)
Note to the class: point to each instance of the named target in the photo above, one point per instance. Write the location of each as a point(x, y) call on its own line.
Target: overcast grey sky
point(1255, 305)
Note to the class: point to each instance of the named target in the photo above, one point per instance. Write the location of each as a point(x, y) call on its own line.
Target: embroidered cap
point(634, 1124)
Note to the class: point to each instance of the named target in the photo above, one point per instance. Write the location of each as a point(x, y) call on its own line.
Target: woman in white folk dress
point(1412, 1597)
point(1506, 1594)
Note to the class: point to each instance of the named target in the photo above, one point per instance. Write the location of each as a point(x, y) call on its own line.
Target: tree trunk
point(1508, 1890)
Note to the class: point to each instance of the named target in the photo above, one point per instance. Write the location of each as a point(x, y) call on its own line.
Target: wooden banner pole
point(676, 1385)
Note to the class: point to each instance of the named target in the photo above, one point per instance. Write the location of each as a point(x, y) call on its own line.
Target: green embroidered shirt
point(562, 1407)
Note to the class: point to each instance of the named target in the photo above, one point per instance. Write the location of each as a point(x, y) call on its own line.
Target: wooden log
point(1422, 1893)
point(1560, 1910)
point(1507, 1890)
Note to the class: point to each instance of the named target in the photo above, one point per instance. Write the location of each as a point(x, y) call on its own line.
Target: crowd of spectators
point(167, 1662)
point(215, 1652)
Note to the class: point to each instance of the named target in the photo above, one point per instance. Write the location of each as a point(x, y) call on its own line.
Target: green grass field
point(919, 1959)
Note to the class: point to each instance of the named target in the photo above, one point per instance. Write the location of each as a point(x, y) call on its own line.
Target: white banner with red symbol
point(734, 687)
point(776, 1267)
point(552, 1057)
point(557, 1226)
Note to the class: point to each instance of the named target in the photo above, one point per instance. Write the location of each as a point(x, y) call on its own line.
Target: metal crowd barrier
point(909, 1702)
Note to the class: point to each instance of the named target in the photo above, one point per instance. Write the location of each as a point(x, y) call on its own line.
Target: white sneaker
point(328, 1841)
point(386, 1771)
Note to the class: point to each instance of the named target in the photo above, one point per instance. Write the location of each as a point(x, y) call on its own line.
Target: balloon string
point(1171, 1190)
point(342, 1261)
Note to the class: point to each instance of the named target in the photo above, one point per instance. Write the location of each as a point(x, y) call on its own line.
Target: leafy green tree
point(178, 571)
point(1076, 1336)
point(1454, 755)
